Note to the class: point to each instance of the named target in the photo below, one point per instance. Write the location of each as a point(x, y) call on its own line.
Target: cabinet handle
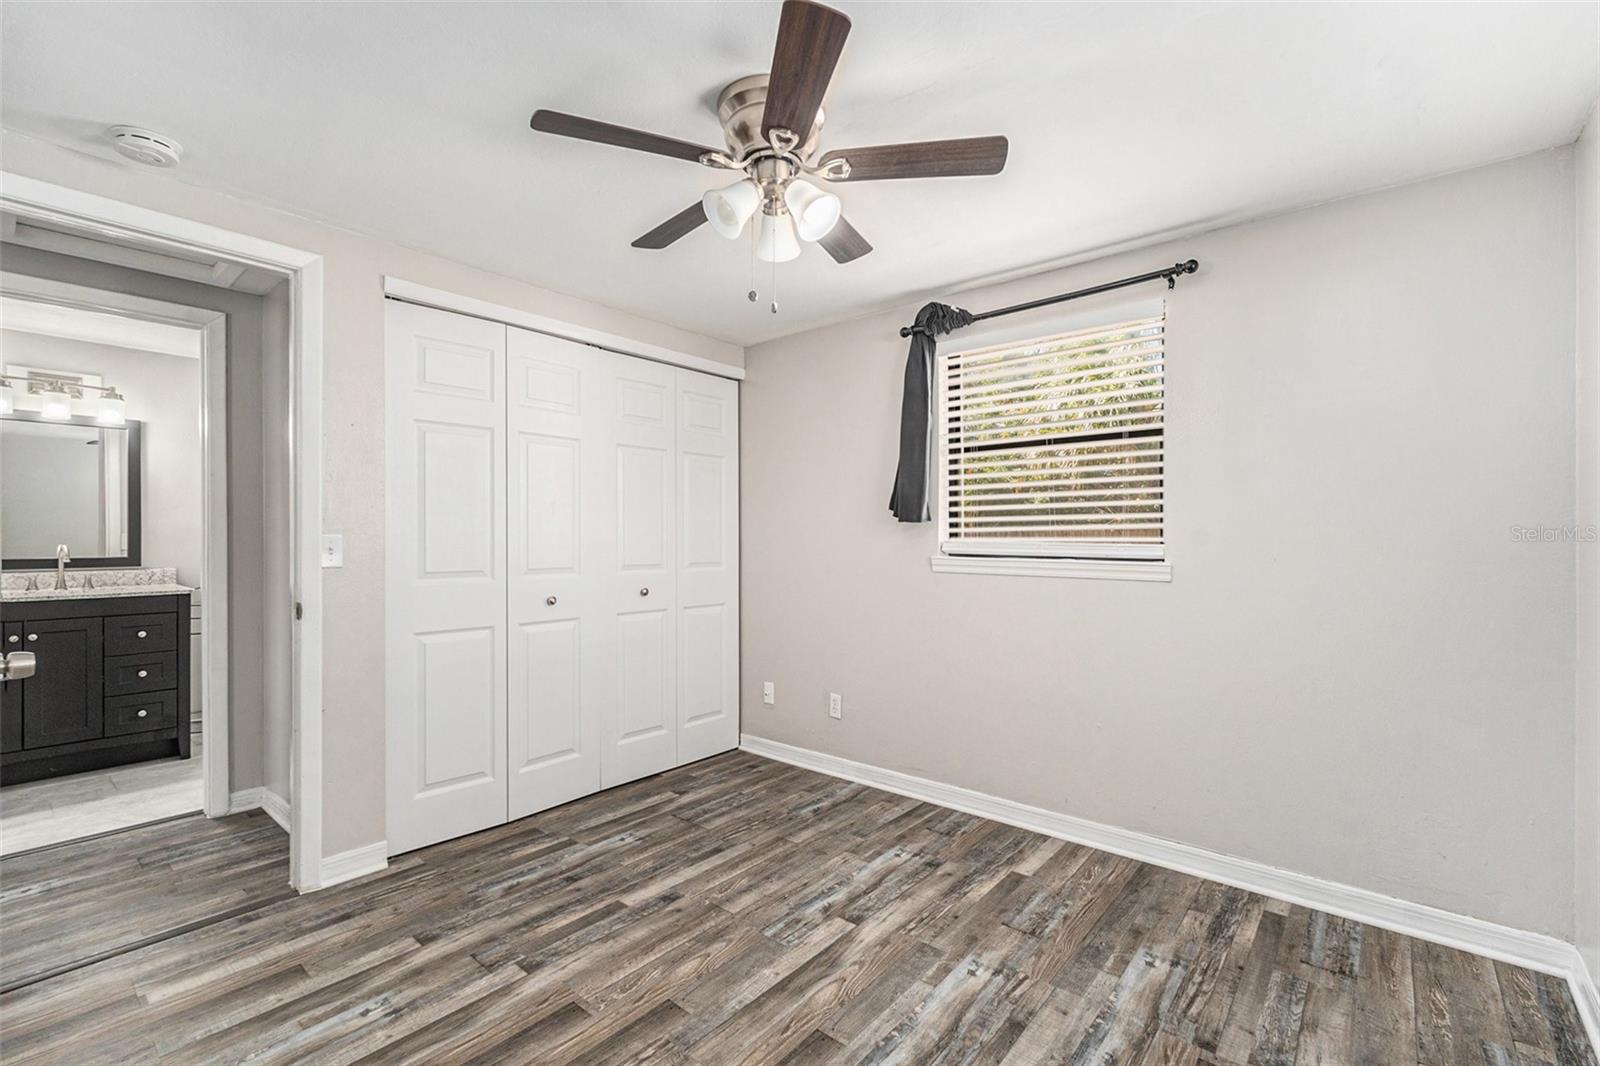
point(12, 639)
point(33, 636)
point(644, 592)
point(141, 634)
point(143, 712)
point(549, 601)
point(144, 673)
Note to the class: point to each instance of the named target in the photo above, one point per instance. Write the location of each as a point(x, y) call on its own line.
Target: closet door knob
point(13, 639)
point(549, 601)
point(141, 634)
point(644, 592)
point(33, 636)
point(143, 712)
point(144, 673)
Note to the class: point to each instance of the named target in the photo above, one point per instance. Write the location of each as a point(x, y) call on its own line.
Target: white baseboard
point(1588, 997)
point(248, 799)
point(349, 865)
point(1535, 951)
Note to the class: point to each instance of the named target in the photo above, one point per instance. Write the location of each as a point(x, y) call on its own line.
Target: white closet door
point(708, 565)
point(558, 393)
point(446, 562)
point(640, 727)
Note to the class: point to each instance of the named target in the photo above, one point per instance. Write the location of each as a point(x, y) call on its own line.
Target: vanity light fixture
point(53, 397)
point(113, 409)
point(55, 405)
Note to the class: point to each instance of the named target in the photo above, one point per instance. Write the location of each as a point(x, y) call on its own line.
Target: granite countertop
point(108, 591)
point(34, 585)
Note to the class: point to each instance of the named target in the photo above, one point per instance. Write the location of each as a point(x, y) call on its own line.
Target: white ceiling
point(409, 121)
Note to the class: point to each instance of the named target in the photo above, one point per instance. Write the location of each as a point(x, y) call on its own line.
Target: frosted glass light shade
point(775, 241)
point(56, 406)
point(113, 411)
point(729, 209)
point(815, 212)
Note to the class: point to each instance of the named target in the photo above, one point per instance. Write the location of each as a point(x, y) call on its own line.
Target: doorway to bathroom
point(150, 581)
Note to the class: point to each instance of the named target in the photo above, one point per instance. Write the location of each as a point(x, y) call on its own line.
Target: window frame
point(1130, 562)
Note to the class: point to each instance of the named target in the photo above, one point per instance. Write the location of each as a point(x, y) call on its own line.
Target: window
point(1054, 449)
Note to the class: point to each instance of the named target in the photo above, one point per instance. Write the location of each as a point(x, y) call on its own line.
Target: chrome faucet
point(62, 559)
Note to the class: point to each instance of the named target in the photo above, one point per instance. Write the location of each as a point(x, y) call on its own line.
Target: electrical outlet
point(835, 705)
point(769, 693)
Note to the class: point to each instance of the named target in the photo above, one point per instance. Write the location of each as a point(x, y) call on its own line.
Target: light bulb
point(815, 212)
point(775, 241)
point(729, 209)
point(56, 406)
point(113, 411)
point(8, 399)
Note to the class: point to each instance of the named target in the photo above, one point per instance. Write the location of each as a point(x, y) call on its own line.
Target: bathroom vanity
point(110, 682)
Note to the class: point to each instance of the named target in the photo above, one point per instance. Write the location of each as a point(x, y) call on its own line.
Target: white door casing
point(446, 563)
point(639, 730)
point(558, 397)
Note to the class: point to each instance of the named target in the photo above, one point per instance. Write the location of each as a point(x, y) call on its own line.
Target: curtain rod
point(1188, 266)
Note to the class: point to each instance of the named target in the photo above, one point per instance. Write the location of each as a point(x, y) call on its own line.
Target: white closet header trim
point(412, 292)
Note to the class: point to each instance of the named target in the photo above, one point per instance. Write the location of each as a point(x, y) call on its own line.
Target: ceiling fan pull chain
point(753, 241)
point(774, 286)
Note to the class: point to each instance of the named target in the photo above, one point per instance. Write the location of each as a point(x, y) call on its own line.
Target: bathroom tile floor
point(38, 813)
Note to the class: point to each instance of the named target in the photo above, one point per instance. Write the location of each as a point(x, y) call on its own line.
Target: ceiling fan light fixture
point(775, 242)
point(729, 209)
point(815, 212)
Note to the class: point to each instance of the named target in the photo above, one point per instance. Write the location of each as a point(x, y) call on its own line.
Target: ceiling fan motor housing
point(740, 109)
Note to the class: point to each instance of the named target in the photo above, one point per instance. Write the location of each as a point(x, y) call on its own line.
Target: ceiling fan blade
point(810, 38)
point(587, 129)
point(844, 243)
point(673, 228)
point(923, 159)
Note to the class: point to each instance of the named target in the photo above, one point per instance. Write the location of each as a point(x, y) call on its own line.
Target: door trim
point(116, 220)
point(412, 292)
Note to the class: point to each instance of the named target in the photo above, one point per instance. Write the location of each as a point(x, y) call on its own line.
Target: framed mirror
point(72, 482)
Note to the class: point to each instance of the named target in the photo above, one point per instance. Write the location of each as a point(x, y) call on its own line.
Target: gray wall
point(247, 545)
point(1588, 552)
point(277, 552)
point(1357, 672)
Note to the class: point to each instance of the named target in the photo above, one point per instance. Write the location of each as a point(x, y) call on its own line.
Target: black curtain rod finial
point(1188, 266)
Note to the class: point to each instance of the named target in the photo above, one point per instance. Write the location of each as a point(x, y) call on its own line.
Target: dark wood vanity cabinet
point(111, 684)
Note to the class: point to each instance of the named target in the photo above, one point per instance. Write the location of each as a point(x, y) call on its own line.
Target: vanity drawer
point(133, 634)
point(141, 673)
point(141, 713)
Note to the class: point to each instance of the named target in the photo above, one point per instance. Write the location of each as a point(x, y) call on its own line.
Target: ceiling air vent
point(143, 146)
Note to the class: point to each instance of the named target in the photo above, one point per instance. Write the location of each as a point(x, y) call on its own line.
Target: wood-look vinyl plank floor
point(733, 911)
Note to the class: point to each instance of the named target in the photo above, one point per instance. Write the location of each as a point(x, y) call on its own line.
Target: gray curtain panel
point(910, 499)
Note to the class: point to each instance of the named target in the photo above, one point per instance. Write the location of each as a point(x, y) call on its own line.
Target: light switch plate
point(769, 693)
point(835, 705)
point(332, 550)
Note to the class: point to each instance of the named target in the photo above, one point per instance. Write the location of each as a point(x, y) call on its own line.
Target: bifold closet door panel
point(708, 565)
point(640, 726)
point(445, 614)
point(558, 394)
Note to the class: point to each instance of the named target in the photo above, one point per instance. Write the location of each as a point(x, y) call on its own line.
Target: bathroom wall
point(163, 393)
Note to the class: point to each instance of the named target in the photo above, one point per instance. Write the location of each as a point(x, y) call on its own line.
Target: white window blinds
point(1055, 447)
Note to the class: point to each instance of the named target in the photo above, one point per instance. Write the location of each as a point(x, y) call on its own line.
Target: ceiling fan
point(772, 123)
